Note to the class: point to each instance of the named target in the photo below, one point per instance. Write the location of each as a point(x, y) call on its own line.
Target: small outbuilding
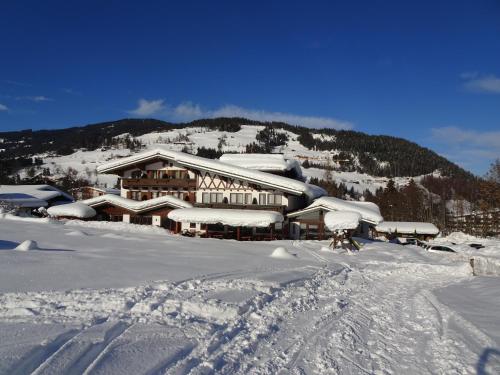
point(309, 223)
point(226, 223)
point(29, 197)
point(420, 230)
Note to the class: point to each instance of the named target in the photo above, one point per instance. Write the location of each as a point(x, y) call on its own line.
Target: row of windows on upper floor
point(155, 174)
point(243, 198)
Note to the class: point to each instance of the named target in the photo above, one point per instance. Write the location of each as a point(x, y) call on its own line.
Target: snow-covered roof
point(262, 162)
point(262, 178)
point(77, 209)
point(340, 220)
point(107, 190)
point(236, 218)
point(369, 211)
point(407, 227)
point(138, 206)
point(33, 196)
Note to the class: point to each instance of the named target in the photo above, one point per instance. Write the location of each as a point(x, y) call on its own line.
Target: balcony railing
point(268, 207)
point(183, 183)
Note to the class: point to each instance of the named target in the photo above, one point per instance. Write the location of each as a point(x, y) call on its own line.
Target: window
point(262, 199)
point(205, 198)
point(248, 198)
point(236, 198)
point(192, 225)
point(219, 197)
point(274, 199)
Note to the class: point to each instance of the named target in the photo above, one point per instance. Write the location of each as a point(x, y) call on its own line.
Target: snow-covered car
point(407, 241)
point(476, 245)
point(440, 249)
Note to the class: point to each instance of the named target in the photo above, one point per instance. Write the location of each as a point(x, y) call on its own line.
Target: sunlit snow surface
point(116, 298)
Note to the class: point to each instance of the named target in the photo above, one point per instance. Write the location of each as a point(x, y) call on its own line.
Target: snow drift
point(27, 246)
point(282, 253)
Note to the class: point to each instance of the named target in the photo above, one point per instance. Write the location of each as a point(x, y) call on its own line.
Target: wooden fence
point(479, 224)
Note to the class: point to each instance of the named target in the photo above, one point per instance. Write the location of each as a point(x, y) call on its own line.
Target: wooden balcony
point(269, 207)
point(179, 183)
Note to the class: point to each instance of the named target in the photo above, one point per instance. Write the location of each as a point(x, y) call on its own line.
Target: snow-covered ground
point(116, 298)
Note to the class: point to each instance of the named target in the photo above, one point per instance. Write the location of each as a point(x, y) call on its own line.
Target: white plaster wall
point(294, 230)
point(128, 172)
point(156, 220)
point(227, 194)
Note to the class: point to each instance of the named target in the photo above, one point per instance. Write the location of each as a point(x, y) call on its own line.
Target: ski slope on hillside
point(126, 299)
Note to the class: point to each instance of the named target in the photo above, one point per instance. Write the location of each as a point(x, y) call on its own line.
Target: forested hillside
point(376, 155)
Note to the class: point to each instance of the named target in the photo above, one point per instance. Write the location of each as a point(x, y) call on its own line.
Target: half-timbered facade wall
point(202, 188)
point(155, 179)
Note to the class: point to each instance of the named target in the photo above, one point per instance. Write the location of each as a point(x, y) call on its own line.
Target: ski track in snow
point(332, 320)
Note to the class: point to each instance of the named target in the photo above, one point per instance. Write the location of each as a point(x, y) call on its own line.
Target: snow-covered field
point(115, 298)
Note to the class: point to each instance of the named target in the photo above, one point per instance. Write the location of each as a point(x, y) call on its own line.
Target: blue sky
point(428, 71)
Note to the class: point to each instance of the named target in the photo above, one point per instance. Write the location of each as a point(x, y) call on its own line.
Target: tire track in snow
point(102, 348)
point(32, 361)
point(301, 246)
point(60, 350)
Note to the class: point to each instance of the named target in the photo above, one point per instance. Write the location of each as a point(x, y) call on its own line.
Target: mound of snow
point(340, 220)
point(76, 233)
point(77, 209)
point(460, 237)
point(282, 253)
point(27, 246)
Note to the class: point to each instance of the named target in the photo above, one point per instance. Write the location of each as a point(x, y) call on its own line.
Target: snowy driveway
point(127, 299)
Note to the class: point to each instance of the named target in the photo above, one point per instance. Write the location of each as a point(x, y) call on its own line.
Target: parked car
point(440, 249)
point(408, 241)
point(476, 245)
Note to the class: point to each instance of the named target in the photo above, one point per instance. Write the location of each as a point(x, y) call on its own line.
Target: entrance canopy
point(235, 218)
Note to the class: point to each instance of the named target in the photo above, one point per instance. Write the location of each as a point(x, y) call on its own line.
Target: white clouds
point(481, 83)
point(189, 111)
point(70, 91)
point(259, 115)
point(470, 148)
point(3, 108)
point(38, 98)
point(148, 107)
point(455, 135)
